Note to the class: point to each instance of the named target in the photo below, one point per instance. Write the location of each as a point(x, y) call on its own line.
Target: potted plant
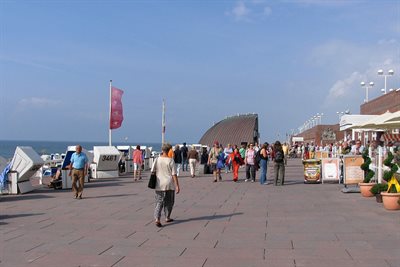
point(377, 189)
point(391, 198)
point(368, 182)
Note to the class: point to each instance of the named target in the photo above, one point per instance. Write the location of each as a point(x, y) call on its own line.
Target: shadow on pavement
point(293, 182)
point(31, 196)
point(105, 196)
point(7, 217)
point(102, 184)
point(206, 218)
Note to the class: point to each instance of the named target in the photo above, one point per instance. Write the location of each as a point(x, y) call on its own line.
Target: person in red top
point(236, 160)
point(137, 163)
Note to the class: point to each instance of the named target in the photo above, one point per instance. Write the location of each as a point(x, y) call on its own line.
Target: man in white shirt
point(357, 149)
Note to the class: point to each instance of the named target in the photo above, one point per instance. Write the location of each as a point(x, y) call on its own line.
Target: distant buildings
point(323, 134)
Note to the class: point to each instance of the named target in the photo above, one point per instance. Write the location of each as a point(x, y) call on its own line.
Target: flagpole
point(163, 123)
point(109, 126)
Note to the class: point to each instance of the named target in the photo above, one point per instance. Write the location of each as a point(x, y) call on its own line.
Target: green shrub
point(378, 188)
point(393, 167)
point(368, 173)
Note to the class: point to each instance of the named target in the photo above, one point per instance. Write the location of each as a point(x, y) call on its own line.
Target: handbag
point(152, 181)
point(153, 177)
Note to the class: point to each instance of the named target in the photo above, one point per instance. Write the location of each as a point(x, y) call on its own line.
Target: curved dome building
point(233, 130)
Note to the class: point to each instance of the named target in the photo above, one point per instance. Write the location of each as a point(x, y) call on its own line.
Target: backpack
point(279, 156)
point(257, 158)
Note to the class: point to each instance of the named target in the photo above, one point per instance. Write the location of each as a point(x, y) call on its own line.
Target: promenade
point(216, 224)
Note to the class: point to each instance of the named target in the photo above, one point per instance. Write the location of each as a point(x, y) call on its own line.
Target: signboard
point(312, 171)
point(297, 139)
point(352, 169)
point(328, 135)
point(330, 170)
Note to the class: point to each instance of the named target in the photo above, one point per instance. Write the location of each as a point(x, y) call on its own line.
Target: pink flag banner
point(116, 116)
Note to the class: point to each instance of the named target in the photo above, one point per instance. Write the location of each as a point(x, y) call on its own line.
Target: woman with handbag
point(166, 186)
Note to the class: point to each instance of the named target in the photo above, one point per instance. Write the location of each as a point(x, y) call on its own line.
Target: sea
point(7, 147)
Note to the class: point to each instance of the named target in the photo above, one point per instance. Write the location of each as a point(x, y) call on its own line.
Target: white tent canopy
point(395, 117)
point(376, 122)
point(352, 121)
point(382, 122)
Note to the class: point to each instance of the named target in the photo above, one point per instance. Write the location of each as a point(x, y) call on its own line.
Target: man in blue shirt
point(78, 170)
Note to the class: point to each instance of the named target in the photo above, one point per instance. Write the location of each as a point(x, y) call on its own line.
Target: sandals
point(158, 224)
point(169, 220)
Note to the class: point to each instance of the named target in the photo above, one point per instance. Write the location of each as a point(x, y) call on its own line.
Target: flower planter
point(365, 189)
point(391, 200)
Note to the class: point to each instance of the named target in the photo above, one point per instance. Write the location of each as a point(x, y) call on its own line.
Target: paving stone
point(216, 224)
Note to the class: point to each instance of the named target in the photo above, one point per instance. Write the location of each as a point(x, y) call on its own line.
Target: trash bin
point(312, 170)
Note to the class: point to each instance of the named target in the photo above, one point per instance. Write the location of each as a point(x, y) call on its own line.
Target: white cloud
point(36, 103)
point(240, 11)
point(250, 10)
point(343, 87)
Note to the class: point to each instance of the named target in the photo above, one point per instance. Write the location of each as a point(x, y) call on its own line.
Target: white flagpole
point(163, 123)
point(109, 130)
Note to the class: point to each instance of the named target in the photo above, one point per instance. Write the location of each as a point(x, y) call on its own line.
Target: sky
point(284, 60)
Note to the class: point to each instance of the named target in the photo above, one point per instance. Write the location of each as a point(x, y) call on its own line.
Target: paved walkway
point(216, 224)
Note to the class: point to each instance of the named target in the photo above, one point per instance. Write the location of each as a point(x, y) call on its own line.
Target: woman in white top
point(167, 185)
point(249, 160)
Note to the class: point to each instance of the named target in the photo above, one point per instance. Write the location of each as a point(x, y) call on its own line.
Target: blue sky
point(285, 60)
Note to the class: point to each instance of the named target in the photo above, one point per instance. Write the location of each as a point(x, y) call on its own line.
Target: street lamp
point(389, 73)
point(319, 116)
point(340, 114)
point(314, 121)
point(367, 86)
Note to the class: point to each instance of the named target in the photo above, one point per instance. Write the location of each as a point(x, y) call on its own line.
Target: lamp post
point(367, 86)
point(319, 117)
point(389, 73)
point(314, 121)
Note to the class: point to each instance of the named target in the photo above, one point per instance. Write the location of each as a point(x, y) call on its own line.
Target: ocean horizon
point(7, 147)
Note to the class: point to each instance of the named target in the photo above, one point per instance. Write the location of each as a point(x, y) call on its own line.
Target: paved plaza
point(216, 224)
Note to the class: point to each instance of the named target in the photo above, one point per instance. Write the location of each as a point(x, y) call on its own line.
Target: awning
point(353, 121)
point(386, 121)
point(390, 137)
point(395, 117)
point(376, 122)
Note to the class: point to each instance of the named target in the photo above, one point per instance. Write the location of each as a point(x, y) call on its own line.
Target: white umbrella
point(395, 117)
point(377, 122)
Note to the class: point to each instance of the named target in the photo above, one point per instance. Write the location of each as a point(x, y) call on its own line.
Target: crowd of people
point(168, 166)
point(251, 157)
point(337, 149)
point(231, 158)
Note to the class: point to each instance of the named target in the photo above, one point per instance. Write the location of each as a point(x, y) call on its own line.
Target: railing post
point(380, 164)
